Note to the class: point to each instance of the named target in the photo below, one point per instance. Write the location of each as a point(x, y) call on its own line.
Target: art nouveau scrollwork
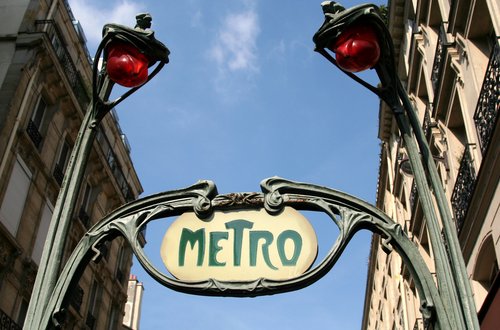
point(349, 214)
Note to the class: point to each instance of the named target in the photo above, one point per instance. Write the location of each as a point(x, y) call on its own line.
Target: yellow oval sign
point(242, 245)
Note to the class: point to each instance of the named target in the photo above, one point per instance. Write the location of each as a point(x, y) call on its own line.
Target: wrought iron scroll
point(437, 66)
point(488, 105)
point(349, 214)
point(463, 190)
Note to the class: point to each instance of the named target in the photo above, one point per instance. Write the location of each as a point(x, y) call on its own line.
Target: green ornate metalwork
point(51, 261)
point(350, 214)
point(451, 273)
point(440, 306)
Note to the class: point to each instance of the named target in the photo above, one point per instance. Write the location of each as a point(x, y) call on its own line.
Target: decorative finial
point(143, 21)
point(332, 7)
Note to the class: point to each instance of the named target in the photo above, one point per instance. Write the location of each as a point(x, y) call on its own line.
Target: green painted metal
point(52, 290)
point(453, 282)
point(449, 228)
point(51, 261)
point(350, 214)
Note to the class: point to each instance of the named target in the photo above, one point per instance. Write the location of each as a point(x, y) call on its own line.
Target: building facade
point(45, 83)
point(448, 56)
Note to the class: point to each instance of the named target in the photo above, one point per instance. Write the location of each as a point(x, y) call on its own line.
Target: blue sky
point(244, 98)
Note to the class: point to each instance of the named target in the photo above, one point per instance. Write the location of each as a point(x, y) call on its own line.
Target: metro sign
point(246, 244)
point(242, 245)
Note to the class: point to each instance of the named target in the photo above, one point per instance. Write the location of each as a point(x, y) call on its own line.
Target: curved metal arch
point(349, 213)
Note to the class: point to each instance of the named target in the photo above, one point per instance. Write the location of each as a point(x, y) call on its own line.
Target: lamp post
point(360, 40)
point(127, 55)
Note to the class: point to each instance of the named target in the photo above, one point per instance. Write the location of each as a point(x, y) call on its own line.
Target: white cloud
point(234, 52)
point(235, 48)
point(93, 16)
point(197, 18)
point(278, 51)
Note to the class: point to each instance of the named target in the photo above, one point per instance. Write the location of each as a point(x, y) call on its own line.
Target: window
point(456, 135)
point(111, 160)
point(41, 235)
point(62, 162)
point(58, 47)
point(85, 208)
point(120, 265)
point(77, 298)
point(86, 197)
point(424, 240)
point(39, 112)
point(34, 128)
point(485, 270)
point(113, 318)
point(482, 36)
point(93, 307)
point(21, 315)
point(400, 314)
point(15, 196)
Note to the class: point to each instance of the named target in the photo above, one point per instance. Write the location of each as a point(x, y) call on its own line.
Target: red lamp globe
point(357, 48)
point(126, 65)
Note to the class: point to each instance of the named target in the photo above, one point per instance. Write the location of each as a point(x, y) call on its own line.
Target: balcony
point(58, 174)
point(34, 133)
point(115, 167)
point(426, 125)
point(428, 122)
point(413, 196)
point(464, 189)
point(419, 324)
point(486, 115)
point(6, 323)
point(60, 48)
point(437, 66)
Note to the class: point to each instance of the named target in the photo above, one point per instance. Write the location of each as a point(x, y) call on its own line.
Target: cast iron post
point(142, 51)
point(454, 286)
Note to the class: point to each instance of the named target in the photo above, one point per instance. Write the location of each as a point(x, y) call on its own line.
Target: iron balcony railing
point(426, 125)
point(61, 50)
point(487, 109)
point(34, 133)
point(78, 30)
point(437, 66)
point(413, 196)
point(115, 166)
point(6, 323)
point(428, 122)
point(463, 190)
point(58, 174)
point(419, 324)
